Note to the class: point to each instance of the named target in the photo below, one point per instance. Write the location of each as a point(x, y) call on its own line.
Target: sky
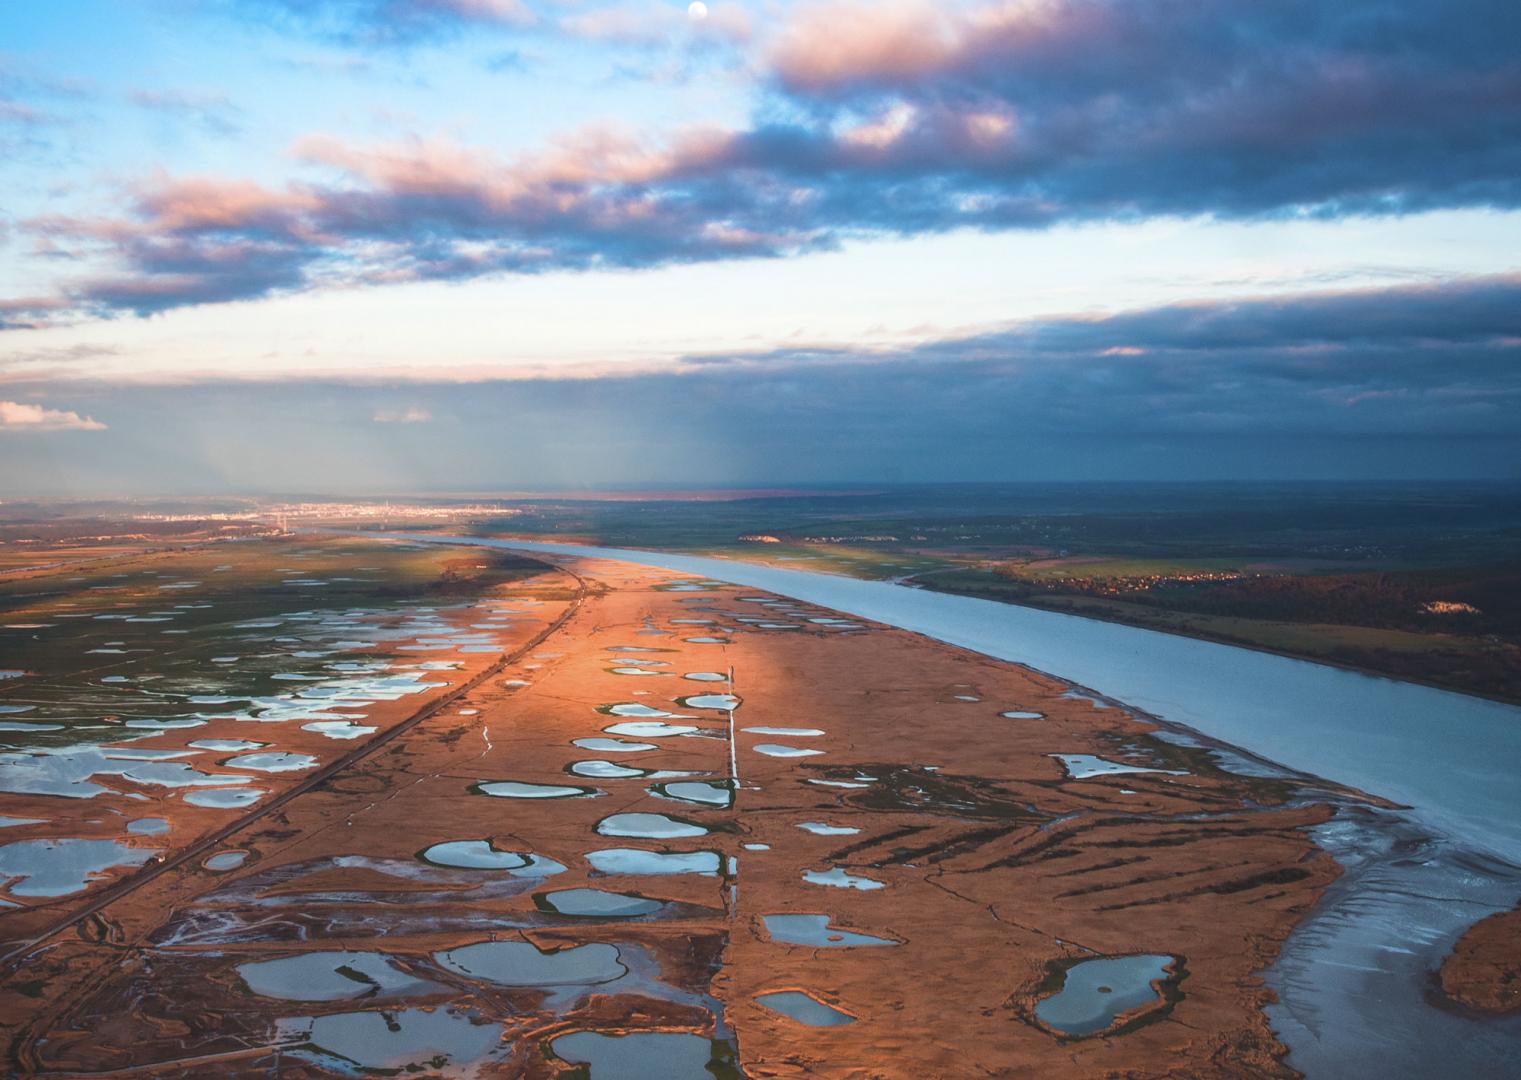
point(404, 245)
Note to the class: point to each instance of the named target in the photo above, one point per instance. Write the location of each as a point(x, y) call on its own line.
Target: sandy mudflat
point(1484, 970)
point(979, 873)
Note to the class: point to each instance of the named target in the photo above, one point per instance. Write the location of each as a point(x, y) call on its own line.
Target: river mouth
point(1380, 934)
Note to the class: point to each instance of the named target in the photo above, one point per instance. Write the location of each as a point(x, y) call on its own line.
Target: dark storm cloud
point(1229, 107)
point(1324, 385)
point(1423, 360)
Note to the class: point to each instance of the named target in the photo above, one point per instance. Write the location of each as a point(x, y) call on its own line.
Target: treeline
point(1495, 671)
point(1390, 600)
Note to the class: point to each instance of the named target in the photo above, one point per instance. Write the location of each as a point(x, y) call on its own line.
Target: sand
point(996, 872)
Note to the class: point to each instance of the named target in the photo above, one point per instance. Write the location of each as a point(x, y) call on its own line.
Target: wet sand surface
point(1484, 970)
point(561, 870)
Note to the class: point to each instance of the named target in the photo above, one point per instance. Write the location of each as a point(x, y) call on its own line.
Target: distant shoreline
point(916, 581)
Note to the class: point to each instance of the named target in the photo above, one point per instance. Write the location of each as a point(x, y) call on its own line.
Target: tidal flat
point(753, 908)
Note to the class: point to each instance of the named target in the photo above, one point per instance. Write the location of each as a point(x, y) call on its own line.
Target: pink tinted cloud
point(898, 119)
point(208, 203)
point(20, 417)
point(833, 43)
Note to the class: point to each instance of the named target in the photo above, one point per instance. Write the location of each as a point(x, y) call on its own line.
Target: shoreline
point(913, 581)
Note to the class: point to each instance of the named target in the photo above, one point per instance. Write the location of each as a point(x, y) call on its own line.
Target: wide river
point(1354, 977)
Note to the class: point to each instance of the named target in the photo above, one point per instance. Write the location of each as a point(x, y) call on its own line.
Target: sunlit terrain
point(665, 540)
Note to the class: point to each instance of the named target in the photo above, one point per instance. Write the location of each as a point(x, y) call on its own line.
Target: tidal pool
point(473, 855)
point(148, 724)
point(648, 827)
point(339, 729)
point(638, 711)
point(613, 746)
point(61, 867)
point(513, 789)
point(1016, 714)
point(519, 963)
point(724, 702)
point(273, 761)
point(706, 676)
point(778, 750)
point(708, 793)
point(596, 903)
point(650, 729)
point(795, 732)
point(1083, 766)
point(815, 930)
point(818, 828)
point(225, 860)
point(605, 770)
point(148, 826)
point(228, 745)
point(1095, 993)
point(804, 1008)
point(637, 861)
point(404, 1040)
point(225, 798)
point(837, 878)
point(327, 976)
point(641, 1055)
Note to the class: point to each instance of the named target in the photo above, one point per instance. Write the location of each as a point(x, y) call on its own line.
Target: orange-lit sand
point(996, 869)
point(1484, 970)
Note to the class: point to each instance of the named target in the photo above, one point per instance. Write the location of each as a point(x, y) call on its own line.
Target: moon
point(697, 11)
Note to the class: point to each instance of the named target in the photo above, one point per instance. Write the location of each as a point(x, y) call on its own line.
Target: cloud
point(410, 415)
point(212, 113)
point(388, 23)
point(878, 120)
point(16, 112)
point(28, 312)
point(19, 416)
point(1439, 359)
point(1396, 382)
